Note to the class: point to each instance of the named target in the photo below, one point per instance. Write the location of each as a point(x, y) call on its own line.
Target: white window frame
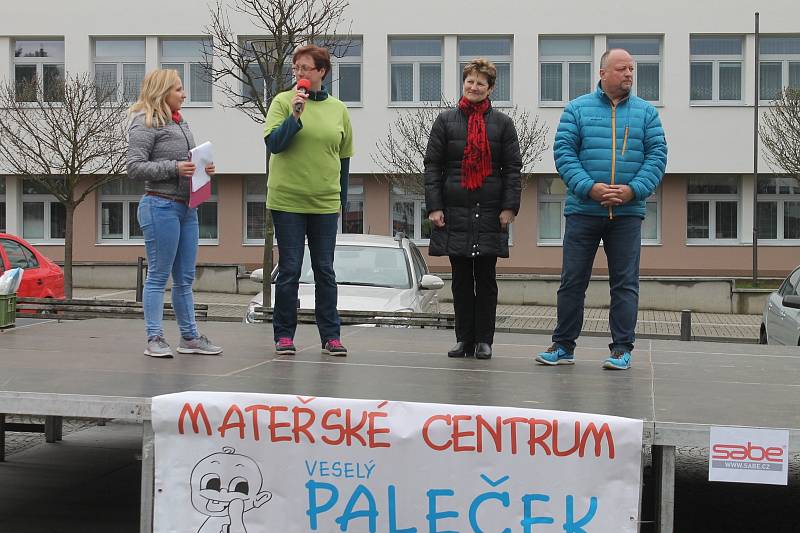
point(187, 62)
point(38, 62)
point(784, 60)
point(781, 200)
point(716, 61)
point(396, 195)
point(565, 62)
point(549, 198)
point(359, 197)
point(213, 199)
point(287, 65)
point(47, 200)
point(249, 198)
point(348, 61)
point(416, 62)
point(712, 200)
point(119, 62)
point(496, 59)
point(125, 200)
point(637, 59)
point(654, 198)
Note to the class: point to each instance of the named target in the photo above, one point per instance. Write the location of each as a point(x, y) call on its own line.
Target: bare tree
point(780, 133)
point(401, 153)
point(251, 70)
point(71, 140)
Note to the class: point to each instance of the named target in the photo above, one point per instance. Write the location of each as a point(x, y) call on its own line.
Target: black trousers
point(474, 297)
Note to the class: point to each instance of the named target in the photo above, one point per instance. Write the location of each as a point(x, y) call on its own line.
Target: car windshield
point(370, 266)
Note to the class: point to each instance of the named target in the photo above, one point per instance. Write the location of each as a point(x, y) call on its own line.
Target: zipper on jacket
point(613, 150)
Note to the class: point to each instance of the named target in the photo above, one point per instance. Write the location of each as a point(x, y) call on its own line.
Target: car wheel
point(762, 336)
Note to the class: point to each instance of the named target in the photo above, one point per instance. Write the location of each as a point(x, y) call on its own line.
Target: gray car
point(781, 320)
point(373, 273)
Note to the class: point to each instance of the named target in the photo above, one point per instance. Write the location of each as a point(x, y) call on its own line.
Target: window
point(415, 70)
point(712, 212)
point(352, 220)
point(19, 256)
point(255, 191)
point(2, 204)
point(565, 68)
point(119, 202)
point(43, 216)
point(495, 49)
point(119, 67)
point(646, 52)
point(259, 46)
point(409, 215)
point(207, 215)
point(344, 79)
point(552, 200)
point(40, 63)
point(651, 226)
point(778, 210)
point(417, 261)
point(790, 285)
point(188, 56)
point(779, 65)
point(716, 69)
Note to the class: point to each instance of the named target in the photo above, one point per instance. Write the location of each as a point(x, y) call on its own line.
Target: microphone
point(304, 86)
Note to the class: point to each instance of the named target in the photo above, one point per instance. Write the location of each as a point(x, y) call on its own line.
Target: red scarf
point(176, 117)
point(477, 162)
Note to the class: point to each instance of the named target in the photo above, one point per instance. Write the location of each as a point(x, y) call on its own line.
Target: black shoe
point(483, 350)
point(461, 349)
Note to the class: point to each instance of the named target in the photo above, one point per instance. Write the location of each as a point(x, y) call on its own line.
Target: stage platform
point(95, 368)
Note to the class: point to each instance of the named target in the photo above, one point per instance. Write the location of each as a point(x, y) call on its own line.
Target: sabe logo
point(748, 452)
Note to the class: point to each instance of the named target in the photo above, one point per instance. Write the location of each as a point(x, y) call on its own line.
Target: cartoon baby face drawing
point(227, 485)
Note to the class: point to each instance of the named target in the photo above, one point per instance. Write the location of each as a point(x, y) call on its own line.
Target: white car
point(373, 273)
point(781, 321)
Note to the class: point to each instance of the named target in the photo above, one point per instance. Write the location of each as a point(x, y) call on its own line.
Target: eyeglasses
point(302, 68)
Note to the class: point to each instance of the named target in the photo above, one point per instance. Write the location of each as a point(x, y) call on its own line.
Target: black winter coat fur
point(472, 224)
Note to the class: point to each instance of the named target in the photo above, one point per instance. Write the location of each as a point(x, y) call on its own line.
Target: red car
point(42, 278)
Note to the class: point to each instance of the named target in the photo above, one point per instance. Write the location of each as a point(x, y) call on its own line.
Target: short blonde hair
point(480, 66)
point(152, 97)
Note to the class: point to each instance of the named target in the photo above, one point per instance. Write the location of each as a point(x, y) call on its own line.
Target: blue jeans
point(622, 238)
point(170, 233)
point(291, 230)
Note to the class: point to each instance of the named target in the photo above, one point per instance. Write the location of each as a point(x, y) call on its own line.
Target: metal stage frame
point(95, 369)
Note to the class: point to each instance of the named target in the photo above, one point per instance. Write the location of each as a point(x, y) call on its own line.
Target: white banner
point(749, 455)
point(236, 463)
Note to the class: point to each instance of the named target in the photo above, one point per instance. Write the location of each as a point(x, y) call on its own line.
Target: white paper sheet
point(201, 156)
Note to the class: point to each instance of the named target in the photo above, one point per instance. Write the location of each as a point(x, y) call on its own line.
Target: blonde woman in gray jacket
point(158, 154)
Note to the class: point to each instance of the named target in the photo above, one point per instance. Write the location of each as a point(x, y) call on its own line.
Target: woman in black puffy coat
point(472, 191)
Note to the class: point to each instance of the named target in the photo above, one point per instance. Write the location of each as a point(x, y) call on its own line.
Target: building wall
point(703, 139)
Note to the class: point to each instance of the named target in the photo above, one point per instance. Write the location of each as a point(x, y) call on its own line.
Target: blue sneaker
point(555, 355)
point(619, 360)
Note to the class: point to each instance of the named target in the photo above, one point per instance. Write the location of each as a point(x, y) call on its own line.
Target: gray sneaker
point(158, 347)
point(199, 345)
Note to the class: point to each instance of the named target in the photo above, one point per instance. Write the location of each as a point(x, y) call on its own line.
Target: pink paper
point(200, 195)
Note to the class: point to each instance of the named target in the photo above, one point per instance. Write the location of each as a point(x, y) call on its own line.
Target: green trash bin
point(8, 310)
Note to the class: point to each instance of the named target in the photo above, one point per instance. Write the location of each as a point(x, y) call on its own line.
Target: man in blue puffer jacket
point(611, 153)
